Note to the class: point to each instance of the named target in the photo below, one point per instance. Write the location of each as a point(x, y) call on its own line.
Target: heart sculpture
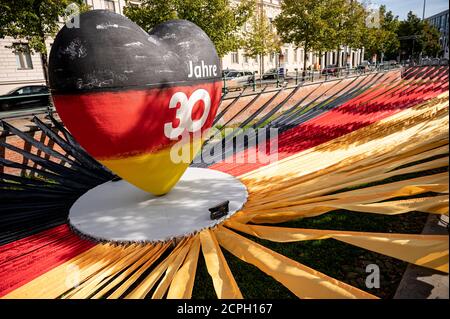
point(130, 97)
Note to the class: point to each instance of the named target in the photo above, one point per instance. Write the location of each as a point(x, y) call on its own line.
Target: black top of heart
point(109, 52)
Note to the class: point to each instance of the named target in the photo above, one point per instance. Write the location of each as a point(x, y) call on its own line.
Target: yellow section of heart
point(156, 172)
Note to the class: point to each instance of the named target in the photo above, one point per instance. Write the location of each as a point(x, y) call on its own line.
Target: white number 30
point(184, 113)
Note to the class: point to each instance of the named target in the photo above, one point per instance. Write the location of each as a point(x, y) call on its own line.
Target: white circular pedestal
point(119, 211)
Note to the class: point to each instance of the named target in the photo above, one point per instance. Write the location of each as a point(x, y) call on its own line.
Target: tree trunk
point(44, 62)
point(41, 33)
point(338, 57)
point(260, 66)
point(262, 63)
point(320, 61)
point(304, 60)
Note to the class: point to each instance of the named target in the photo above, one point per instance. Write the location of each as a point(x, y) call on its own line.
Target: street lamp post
point(423, 12)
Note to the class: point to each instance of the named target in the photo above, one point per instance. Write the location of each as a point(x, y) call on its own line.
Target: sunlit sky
point(402, 7)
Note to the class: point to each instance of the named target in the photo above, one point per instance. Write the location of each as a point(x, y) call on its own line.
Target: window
point(271, 57)
point(245, 59)
point(133, 4)
point(295, 55)
point(286, 55)
point(25, 90)
point(39, 89)
point(23, 56)
point(110, 5)
point(234, 57)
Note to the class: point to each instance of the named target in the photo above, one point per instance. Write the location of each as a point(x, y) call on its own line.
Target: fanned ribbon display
point(390, 162)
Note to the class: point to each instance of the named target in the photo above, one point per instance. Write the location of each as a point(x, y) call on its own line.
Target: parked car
point(427, 61)
point(386, 64)
point(435, 61)
point(25, 96)
point(331, 69)
point(226, 71)
point(272, 74)
point(237, 79)
point(363, 66)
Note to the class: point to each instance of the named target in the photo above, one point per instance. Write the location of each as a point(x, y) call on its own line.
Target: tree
point(418, 36)
point(151, 13)
point(33, 21)
point(390, 24)
point(346, 22)
point(303, 23)
point(326, 33)
point(261, 39)
point(382, 38)
point(429, 40)
point(220, 21)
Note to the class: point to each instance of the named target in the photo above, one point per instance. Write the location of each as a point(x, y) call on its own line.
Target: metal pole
point(224, 85)
point(424, 5)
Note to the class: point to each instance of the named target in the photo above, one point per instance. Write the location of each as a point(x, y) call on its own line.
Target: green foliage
point(304, 23)
point(345, 24)
point(261, 39)
point(426, 40)
point(429, 40)
point(151, 13)
point(382, 39)
point(300, 22)
point(218, 18)
point(33, 20)
point(411, 26)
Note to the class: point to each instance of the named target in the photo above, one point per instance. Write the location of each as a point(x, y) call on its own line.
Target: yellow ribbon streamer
point(223, 280)
point(303, 281)
point(183, 282)
point(424, 250)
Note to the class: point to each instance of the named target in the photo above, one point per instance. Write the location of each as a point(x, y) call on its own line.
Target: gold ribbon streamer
point(168, 266)
point(298, 186)
point(424, 250)
point(223, 280)
point(90, 286)
point(183, 282)
point(435, 205)
point(303, 281)
point(372, 143)
point(121, 283)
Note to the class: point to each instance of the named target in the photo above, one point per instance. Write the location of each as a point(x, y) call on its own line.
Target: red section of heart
point(123, 123)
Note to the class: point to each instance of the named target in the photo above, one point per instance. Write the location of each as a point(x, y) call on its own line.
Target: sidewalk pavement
point(424, 283)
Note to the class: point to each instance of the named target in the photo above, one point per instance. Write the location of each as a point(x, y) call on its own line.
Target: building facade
point(290, 57)
point(440, 22)
point(19, 68)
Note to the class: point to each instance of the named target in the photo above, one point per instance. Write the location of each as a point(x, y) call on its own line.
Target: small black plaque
point(219, 210)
